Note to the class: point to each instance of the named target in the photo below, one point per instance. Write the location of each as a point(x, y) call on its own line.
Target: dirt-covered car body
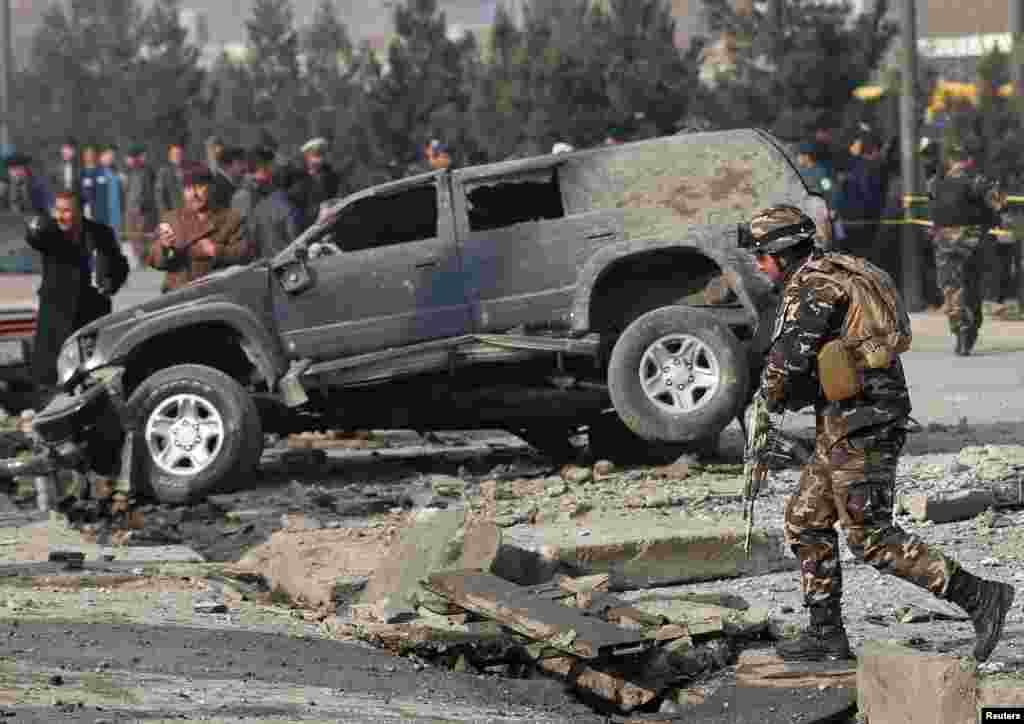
point(491, 295)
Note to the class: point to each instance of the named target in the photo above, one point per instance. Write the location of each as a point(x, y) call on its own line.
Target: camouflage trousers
point(852, 481)
point(958, 270)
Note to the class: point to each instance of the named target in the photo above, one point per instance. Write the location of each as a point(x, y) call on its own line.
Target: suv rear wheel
point(195, 427)
point(677, 374)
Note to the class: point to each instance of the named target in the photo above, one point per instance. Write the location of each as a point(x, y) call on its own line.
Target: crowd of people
point(967, 263)
point(93, 219)
point(131, 197)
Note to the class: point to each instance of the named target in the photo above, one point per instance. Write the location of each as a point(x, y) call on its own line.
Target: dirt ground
point(339, 522)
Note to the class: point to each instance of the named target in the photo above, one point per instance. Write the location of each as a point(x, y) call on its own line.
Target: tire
point(658, 346)
point(185, 399)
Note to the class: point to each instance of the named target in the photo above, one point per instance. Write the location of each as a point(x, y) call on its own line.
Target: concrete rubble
point(897, 684)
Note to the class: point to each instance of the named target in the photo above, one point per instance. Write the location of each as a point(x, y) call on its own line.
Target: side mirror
point(296, 277)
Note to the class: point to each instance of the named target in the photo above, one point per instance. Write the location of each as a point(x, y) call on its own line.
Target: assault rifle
point(755, 464)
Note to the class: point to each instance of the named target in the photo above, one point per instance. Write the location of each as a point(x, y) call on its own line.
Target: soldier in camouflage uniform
point(851, 478)
point(963, 207)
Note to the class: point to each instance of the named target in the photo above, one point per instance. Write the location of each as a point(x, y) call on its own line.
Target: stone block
point(1001, 691)
point(440, 540)
point(898, 685)
point(642, 550)
point(945, 509)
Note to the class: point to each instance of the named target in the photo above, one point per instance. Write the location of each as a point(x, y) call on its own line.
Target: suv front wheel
point(194, 428)
point(677, 374)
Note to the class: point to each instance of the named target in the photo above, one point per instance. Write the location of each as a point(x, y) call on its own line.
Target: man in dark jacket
point(139, 200)
point(275, 220)
point(227, 177)
point(861, 196)
point(82, 268)
point(169, 189)
point(258, 185)
point(319, 183)
point(65, 172)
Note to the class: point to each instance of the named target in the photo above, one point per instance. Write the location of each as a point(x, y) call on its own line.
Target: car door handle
point(427, 263)
point(602, 235)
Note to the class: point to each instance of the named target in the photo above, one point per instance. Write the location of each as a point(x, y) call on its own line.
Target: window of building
point(408, 215)
point(513, 200)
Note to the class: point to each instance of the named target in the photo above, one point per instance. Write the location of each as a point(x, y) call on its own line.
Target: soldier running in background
point(964, 207)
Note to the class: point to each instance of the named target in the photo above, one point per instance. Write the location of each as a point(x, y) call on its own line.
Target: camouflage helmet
point(776, 229)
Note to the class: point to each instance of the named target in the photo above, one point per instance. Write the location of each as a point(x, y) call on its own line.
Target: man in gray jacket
point(274, 223)
point(257, 185)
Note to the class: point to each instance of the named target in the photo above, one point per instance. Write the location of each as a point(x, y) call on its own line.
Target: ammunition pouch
point(838, 373)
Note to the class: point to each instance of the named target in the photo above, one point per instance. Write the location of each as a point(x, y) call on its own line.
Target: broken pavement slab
point(898, 685)
point(536, 616)
point(948, 508)
point(438, 540)
point(641, 550)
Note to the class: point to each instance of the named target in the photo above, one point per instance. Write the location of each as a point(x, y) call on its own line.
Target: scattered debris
point(945, 509)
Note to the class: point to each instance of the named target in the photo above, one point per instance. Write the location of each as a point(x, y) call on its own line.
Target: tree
point(328, 50)
point(88, 55)
point(274, 69)
point(498, 104)
point(647, 76)
point(170, 79)
point(800, 68)
point(422, 94)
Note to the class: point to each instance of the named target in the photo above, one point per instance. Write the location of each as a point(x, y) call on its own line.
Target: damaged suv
point(538, 296)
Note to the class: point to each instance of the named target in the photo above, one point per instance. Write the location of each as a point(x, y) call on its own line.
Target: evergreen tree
point(275, 72)
point(799, 63)
point(648, 77)
point(88, 56)
point(422, 95)
point(170, 79)
point(498, 104)
point(329, 63)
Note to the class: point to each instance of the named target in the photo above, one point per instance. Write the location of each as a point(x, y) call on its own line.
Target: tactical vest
point(876, 329)
point(955, 202)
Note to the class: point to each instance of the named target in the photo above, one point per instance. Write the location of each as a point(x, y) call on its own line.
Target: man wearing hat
point(274, 223)
point(860, 433)
point(214, 153)
point(963, 207)
point(318, 184)
point(197, 239)
point(227, 177)
point(860, 196)
point(170, 194)
point(29, 193)
point(140, 200)
point(257, 185)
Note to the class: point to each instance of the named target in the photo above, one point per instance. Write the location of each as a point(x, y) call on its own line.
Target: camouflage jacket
point(811, 313)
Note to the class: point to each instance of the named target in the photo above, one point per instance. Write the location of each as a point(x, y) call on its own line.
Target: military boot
point(987, 603)
point(824, 640)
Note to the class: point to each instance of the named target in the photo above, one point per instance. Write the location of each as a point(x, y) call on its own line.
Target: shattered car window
point(375, 221)
point(533, 196)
